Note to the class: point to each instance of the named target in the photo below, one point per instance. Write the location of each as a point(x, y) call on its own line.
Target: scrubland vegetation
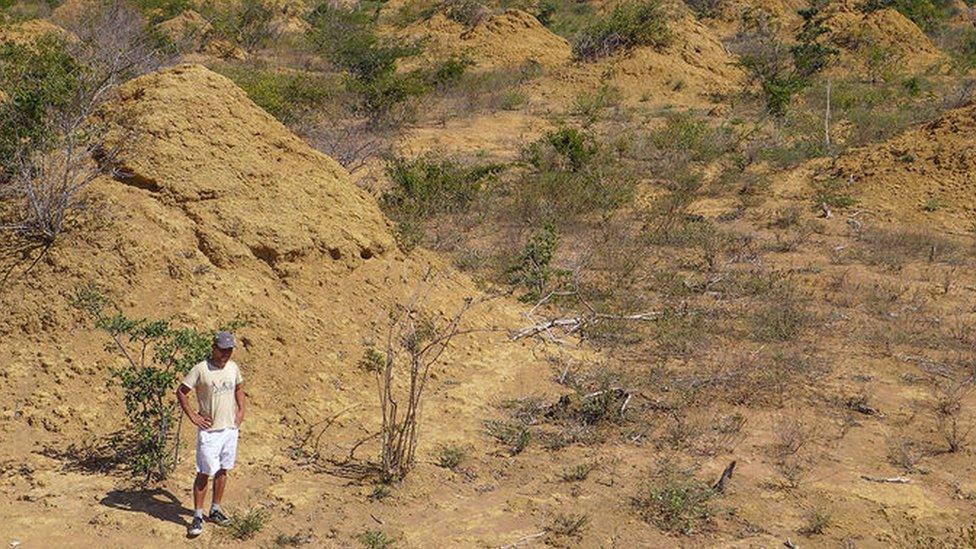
point(724, 306)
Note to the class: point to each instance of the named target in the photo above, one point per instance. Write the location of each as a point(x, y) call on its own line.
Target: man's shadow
point(155, 502)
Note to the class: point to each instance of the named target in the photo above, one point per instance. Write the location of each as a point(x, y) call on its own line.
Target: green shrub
point(514, 435)
point(427, 186)
point(674, 501)
point(565, 18)
point(375, 539)
point(568, 524)
point(286, 96)
point(929, 15)
point(579, 472)
point(246, 525)
point(532, 270)
point(39, 80)
point(694, 136)
point(448, 72)
point(811, 54)
point(779, 320)
point(634, 23)
point(348, 37)
point(450, 456)
point(247, 23)
point(466, 12)
point(570, 174)
point(158, 11)
point(816, 521)
point(157, 356)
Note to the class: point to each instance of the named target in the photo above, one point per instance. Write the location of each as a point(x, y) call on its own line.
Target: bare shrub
point(52, 133)
point(904, 453)
point(570, 525)
point(816, 521)
point(952, 420)
point(790, 435)
point(414, 342)
point(894, 248)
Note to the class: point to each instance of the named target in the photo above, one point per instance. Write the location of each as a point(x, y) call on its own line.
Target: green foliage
point(674, 501)
point(694, 136)
point(158, 11)
point(348, 37)
point(929, 15)
point(246, 525)
point(285, 95)
point(157, 356)
point(448, 72)
point(532, 270)
point(246, 23)
point(375, 539)
point(565, 18)
point(466, 12)
point(810, 54)
point(578, 473)
point(427, 186)
point(39, 80)
point(450, 456)
point(569, 174)
point(781, 319)
point(514, 435)
point(834, 193)
point(631, 24)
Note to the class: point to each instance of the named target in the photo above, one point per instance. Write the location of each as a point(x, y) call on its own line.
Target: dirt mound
point(926, 175)
point(231, 167)
point(505, 40)
point(31, 31)
point(885, 38)
point(687, 72)
point(187, 28)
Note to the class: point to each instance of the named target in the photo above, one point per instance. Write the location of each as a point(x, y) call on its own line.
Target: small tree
point(157, 355)
point(414, 343)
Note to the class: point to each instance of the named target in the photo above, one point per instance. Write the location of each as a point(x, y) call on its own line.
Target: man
point(220, 400)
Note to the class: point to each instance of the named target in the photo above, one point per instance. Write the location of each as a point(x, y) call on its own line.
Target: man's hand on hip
point(201, 421)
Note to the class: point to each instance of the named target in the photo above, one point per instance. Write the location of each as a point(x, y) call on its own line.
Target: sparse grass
point(816, 521)
point(450, 456)
point(674, 501)
point(570, 525)
point(375, 539)
point(631, 24)
point(790, 435)
point(247, 524)
point(295, 540)
point(514, 435)
point(896, 247)
point(783, 318)
point(578, 473)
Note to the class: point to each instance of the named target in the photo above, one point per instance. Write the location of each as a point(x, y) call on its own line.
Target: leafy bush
point(39, 80)
point(693, 136)
point(348, 37)
point(565, 18)
point(158, 11)
point(157, 356)
point(427, 186)
point(570, 173)
point(532, 269)
point(674, 501)
point(466, 12)
point(568, 524)
point(514, 435)
point(286, 96)
point(634, 23)
point(375, 539)
point(810, 54)
point(247, 24)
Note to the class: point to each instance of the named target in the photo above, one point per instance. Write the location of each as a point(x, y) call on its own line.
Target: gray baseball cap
point(224, 340)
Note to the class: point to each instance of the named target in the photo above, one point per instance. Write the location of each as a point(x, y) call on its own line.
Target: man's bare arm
point(199, 420)
point(239, 397)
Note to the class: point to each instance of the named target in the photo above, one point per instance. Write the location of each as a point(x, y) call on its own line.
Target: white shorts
point(216, 450)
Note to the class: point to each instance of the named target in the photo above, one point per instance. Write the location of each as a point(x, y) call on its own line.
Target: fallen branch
point(574, 323)
point(521, 541)
point(719, 486)
point(889, 480)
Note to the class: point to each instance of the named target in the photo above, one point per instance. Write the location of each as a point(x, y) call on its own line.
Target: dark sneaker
point(196, 527)
point(217, 517)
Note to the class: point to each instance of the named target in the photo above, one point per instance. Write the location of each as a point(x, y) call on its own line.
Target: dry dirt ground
point(223, 213)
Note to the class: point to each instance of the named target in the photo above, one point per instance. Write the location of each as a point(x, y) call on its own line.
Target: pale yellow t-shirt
point(215, 392)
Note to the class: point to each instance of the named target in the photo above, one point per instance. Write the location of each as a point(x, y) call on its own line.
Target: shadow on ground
point(154, 502)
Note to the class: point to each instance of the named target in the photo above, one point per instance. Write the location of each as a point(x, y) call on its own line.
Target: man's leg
point(200, 491)
point(219, 482)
